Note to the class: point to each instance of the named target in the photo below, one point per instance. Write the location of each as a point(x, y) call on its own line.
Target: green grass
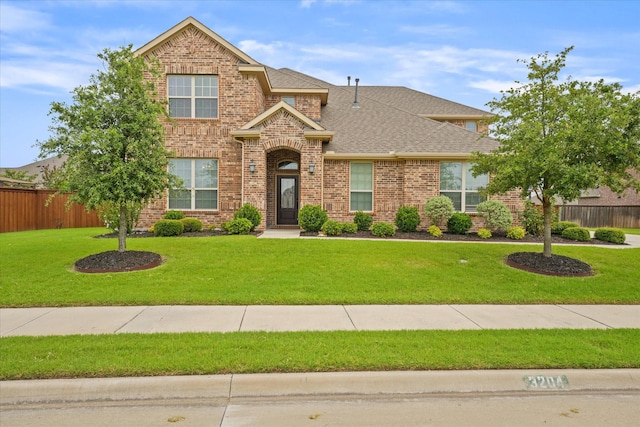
point(37, 270)
point(257, 352)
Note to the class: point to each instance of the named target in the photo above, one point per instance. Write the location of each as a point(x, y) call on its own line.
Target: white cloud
point(14, 19)
point(63, 76)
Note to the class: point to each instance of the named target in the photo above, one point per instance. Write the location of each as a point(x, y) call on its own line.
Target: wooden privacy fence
point(602, 216)
point(24, 209)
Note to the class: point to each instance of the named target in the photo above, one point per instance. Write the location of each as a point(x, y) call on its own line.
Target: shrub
point(532, 219)
point(311, 218)
point(439, 209)
point(173, 215)
point(168, 227)
point(349, 227)
point(435, 231)
point(238, 226)
point(383, 229)
point(251, 213)
point(459, 223)
point(496, 214)
point(484, 233)
point(191, 224)
point(407, 219)
point(516, 233)
point(577, 233)
point(560, 226)
point(613, 235)
point(363, 220)
point(332, 228)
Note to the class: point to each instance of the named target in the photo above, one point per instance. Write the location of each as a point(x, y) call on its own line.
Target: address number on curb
point(546, 382)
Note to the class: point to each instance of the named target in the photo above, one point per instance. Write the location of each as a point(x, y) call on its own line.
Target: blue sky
point(465, 51)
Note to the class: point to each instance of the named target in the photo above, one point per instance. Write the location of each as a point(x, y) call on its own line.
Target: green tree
point(113, 136)
point(559, 138)
point(19, 175)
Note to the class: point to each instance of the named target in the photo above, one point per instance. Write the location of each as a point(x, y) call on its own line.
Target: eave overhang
point(263, 78)
point(392, 155)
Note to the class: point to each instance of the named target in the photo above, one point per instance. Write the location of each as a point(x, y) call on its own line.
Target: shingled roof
point(390, 121)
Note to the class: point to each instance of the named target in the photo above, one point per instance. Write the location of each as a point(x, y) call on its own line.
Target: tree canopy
point(558, 138)
point(113, 138)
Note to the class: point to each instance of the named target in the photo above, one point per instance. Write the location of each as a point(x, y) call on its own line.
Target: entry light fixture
point(312, 167)
point(252, 166)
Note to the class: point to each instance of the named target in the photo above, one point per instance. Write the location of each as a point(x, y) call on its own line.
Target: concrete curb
point(336, 384)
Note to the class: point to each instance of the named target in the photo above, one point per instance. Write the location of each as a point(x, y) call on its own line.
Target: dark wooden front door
point(287, 200)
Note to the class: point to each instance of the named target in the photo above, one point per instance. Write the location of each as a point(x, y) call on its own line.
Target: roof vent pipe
point(355, 101)
point(348, 81)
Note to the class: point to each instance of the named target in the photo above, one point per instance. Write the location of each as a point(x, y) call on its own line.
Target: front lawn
point(37, 270)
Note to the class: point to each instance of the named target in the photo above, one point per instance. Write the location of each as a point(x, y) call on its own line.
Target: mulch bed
point(115, 262)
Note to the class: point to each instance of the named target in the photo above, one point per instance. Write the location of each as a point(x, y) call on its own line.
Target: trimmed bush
point(532, 218)
point(238, 226)
point(311, 218)
point(407, 219)
point(439, 209)
point(191, 224)
point(560, 226)
point(459, 223)
point(173, 215)
point(363, 221)
point(435, 231)
point(349, 227)
point(383, 229)
point(484, 233)
point(496, 214)
point(168, 227)
point(577, 233)
point(332, 228)
point(613, 235)
point(516, 233)
point(251, 213)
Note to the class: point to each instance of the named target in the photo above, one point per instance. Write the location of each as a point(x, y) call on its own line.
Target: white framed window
point(291, 100)
point(361, 187)
point(471, 125)
point(458, 184)
point(193, 97)
point(199, 184)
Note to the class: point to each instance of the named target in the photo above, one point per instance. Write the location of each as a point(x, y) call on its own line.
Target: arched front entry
point(283, 189)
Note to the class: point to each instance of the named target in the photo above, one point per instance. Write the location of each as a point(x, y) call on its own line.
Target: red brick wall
point(396, 183)
point(191, 52)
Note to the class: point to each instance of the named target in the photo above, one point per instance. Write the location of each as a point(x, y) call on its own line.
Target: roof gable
point(252, 129)
point(192, 22)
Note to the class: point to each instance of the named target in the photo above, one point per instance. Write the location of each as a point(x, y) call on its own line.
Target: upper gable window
point(194, 97)
point(471, 125)
point(291, 100)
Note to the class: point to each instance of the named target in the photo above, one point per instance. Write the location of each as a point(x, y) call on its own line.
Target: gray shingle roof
point(389, 119)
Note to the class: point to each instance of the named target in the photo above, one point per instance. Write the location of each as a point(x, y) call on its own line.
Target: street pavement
point(564, 397)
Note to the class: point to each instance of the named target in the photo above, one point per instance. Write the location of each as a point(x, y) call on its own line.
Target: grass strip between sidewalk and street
point(91, 356)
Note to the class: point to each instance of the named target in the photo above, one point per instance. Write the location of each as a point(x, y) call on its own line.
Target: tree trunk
point(122, 230)
point(546, 209)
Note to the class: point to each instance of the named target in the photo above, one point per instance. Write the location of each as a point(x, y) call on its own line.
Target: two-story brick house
point(243, 132)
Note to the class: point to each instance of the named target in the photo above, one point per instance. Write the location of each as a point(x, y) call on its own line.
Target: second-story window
point(291, 100)
point(471, 125)
point(193, 97)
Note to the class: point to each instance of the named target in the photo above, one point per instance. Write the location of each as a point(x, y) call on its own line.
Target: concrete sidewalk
point(153, 319)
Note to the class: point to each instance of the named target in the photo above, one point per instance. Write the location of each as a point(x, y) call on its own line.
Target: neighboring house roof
point(36, 168)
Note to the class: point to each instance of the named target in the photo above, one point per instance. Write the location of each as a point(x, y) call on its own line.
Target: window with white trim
point(471, 125)
point(361, 187)
point(458, 184)
point(291, 100)
point(199, 184)
point(193, 97)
